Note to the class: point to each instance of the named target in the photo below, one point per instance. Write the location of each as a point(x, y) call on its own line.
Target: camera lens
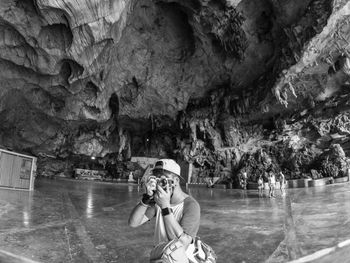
point(162, 182)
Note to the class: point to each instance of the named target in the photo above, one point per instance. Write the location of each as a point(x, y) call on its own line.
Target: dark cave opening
point(27, 5)
point(91, 90)
point(180, 29)
point(114, 104)
point(56, 36)
point(69, 69)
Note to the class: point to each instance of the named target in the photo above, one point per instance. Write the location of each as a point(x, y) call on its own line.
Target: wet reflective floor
point(80, 221)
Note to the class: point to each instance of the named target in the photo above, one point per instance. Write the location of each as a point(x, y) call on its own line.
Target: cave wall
point(205, 81)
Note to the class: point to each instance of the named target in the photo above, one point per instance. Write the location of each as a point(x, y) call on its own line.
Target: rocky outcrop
point(321, 68)
point(71, 60)
point(225, 85)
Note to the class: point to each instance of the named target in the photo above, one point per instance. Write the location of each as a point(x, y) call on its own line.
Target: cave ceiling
point(68, 68)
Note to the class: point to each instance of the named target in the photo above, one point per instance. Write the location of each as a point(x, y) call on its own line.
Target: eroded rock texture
point(230, 86)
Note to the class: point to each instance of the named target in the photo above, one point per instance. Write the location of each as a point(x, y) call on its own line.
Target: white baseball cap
point(168, 165)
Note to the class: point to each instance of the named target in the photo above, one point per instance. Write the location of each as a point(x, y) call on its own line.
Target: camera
point(163, 182)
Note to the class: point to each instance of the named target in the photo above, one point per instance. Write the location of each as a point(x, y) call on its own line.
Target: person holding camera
point(176, 213)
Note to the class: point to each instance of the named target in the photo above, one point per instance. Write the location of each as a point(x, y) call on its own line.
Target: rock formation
point(250, 85)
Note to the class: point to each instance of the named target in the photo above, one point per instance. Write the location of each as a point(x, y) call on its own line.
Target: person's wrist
point(166, 211)
point(146, 199)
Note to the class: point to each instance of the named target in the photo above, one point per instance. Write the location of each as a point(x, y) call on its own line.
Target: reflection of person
point(177, 214)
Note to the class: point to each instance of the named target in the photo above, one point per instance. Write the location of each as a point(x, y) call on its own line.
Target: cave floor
point(81, 221)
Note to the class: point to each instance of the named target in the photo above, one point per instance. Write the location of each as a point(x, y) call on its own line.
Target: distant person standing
point(260, 186)
point(244, 180)
point(282, 180)
point(272, 184)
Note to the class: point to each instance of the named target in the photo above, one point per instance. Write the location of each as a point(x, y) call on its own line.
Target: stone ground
point(80, 221)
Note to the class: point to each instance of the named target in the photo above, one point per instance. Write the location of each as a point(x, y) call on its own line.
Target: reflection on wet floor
point(79, 221)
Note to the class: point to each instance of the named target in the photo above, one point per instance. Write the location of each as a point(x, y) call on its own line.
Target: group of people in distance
point(272, 184)
point(271, 178)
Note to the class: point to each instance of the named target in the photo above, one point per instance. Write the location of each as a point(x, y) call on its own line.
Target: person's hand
point(162, 197)
point(151, 186)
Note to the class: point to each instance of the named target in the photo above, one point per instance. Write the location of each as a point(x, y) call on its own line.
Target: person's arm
point(179, 230)
point(175, 230)
point(141, 214)
point(190, 220)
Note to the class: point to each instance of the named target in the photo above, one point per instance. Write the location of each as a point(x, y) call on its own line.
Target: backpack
point(171, 252)
point(203, 253)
